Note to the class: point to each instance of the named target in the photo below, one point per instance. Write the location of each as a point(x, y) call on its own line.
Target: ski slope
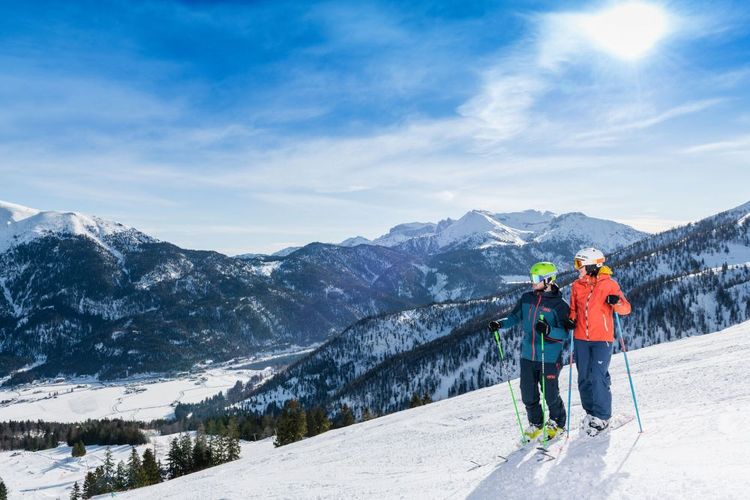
point(693, 403)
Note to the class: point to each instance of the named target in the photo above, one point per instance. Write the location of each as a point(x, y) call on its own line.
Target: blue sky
point(251, 126)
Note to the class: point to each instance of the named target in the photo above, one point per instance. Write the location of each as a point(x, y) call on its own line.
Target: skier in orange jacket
point(594, 299)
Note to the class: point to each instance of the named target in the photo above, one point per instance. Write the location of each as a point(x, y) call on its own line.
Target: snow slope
point(19, 225)
point(451, 449)
point(139, 399)
point(51, 473)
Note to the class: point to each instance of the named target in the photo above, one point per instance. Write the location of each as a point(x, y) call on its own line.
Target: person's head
point(588, 261)
point(543, 275)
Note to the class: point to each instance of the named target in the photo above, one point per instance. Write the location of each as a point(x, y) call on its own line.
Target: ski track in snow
point(691, 400)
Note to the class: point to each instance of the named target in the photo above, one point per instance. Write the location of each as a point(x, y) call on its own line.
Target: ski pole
point(627, 366)
point(544, 395)
point(570, 385)
point(512, 394)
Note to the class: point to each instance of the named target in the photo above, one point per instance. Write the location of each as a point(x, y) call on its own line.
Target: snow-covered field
point(693, 404)
point(51, 473)
point(136, 399)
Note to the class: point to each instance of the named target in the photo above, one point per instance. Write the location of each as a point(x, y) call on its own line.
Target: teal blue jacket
point(532, 307)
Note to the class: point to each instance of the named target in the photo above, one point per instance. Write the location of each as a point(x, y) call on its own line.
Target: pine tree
point(134, 470)
point(346, 417)
point(151, 469)
point(415, 401)
point(108, 475)
point(3, 491)
point(366, 415)
point(89, 486)
point(201, 450)
point(120, 481)
point(317, 422)
point(216, 447)
point(79, 449)
point(292, 425)
point(174, 460)
point(426, 399)
point(75, 492)
point(186, 454)
point(232, 441)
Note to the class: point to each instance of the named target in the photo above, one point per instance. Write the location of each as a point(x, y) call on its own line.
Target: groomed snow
point(693, 403)
point(135, 400)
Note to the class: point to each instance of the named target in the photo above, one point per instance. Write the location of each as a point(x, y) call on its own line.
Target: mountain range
point(83, 295)
point(682, 282)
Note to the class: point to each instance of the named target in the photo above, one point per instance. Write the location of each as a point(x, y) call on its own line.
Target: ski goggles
point(578, 263)
point(538, 278)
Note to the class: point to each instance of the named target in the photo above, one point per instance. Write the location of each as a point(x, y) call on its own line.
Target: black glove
point(496, 325)
point(569, 324)
point(613, 299)
point(542, 328)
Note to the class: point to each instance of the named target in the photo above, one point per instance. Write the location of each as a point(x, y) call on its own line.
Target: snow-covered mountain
point(94, 296)
point(682, 282)
point(466, 447)
point(480, 229)
point(21, 225)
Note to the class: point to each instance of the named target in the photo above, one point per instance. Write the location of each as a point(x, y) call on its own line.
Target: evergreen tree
point(186, 454)
point(79, 449)
point(3, 491)
point(216, 448)
point(174, 460)
point(232, 441)
point(201, 450)
point(346, 417)
point(292, 425)
point(317, 422)
point(366, 415)
point(89, 486)
point(151, 469)
point(426, 399)
point(120, 481)
point(75, 492)
point(415, 401)
point(108, 476)
point(134, 470)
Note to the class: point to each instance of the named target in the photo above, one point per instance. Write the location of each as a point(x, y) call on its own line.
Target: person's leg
point(529, 392)
point(582, 356)
point(552, 390)
point(601, 353)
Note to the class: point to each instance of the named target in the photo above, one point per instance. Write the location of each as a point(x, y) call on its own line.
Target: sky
point(253, 126)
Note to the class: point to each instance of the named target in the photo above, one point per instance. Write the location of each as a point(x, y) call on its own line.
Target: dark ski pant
point(531, 383)
point(592, 360)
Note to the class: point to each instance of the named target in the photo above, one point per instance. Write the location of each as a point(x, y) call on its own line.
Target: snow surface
point(139, 399)
point(19, 225)
point(51, 473)
point(692, 402)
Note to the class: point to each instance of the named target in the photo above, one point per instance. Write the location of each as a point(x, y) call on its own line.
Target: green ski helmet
point(543, 272)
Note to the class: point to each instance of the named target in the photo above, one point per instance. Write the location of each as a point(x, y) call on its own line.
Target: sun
point(628, 30)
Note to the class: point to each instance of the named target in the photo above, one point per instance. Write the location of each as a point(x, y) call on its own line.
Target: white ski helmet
point(588, 257)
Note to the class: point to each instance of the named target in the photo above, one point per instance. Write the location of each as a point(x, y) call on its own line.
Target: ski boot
point(596, 426)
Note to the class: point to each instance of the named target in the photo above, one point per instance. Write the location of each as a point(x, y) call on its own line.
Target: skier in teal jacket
point(544, 315)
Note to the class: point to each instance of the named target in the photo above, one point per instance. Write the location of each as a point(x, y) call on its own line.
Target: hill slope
point(450, 449)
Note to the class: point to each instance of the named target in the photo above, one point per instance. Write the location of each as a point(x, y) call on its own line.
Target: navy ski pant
point(592, 360)
point(531, 383)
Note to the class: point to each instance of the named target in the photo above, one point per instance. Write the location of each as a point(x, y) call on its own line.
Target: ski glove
point(569, 324)
point(542, 328)
point(496, 325)
point(613, 299)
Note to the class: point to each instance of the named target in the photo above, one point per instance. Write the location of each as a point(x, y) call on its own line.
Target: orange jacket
point(588, 307)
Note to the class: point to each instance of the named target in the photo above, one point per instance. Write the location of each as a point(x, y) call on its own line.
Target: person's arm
point(515, 315)
point(618, 301)
point(573, 303)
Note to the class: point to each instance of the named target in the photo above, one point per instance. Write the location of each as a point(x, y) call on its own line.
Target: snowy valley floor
point(693, 399)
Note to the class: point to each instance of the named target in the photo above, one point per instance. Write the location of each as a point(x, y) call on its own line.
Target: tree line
point(39, 435)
